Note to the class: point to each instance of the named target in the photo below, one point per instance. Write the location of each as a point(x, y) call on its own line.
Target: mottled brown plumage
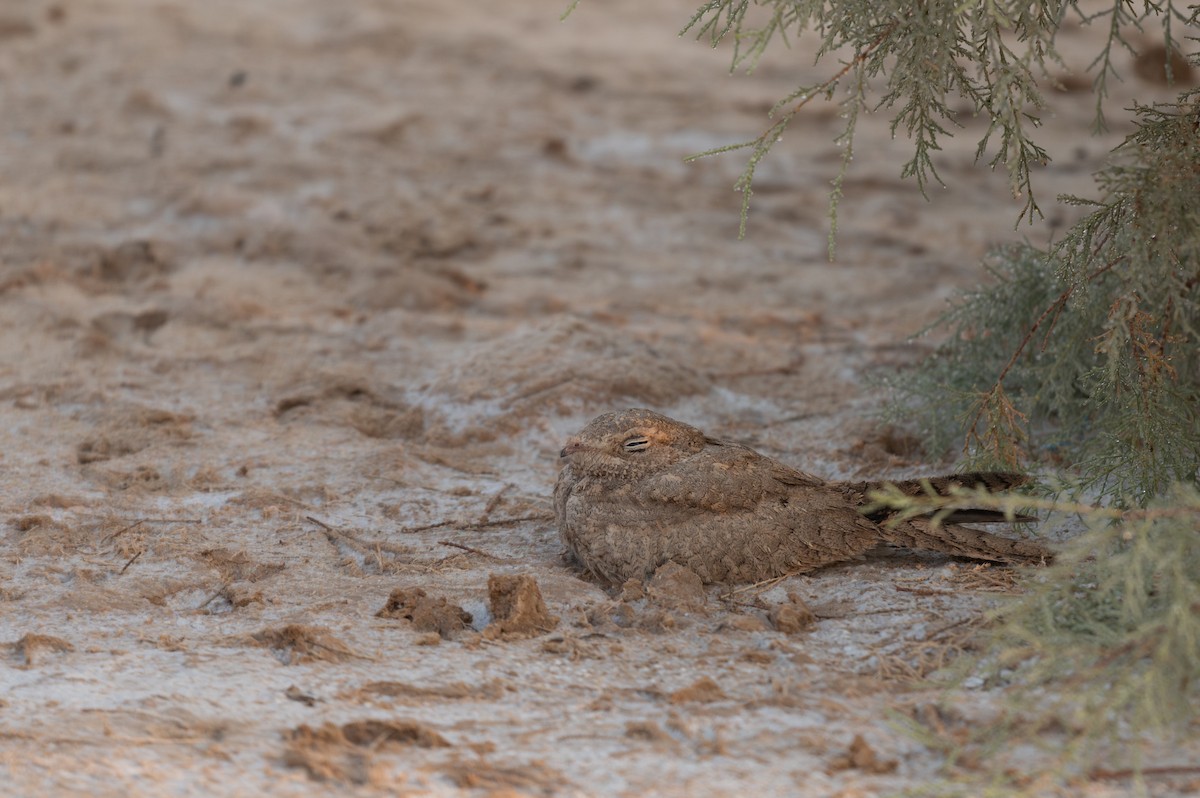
point(639, 490)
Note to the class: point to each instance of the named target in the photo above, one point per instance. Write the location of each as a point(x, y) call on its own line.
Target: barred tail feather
point(963, 541)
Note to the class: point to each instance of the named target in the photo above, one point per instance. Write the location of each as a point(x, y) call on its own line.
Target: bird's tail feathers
point(963, 541)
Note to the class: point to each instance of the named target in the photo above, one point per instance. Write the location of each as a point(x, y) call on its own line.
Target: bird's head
point(631, 443)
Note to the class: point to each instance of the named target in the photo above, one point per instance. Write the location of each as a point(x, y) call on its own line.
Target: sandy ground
point(298, 302)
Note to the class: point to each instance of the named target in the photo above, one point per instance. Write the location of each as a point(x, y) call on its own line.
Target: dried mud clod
point(348, 753)
point(130, 430)
point(41, 534)
point(704, 690)
point(16, 26)
point(453, 691)
point(120, 325)
point(518, 609)
point(294, 693)
point(238, 566)
point(377, 733)
point(26, 523)
point(419, 289)
point(1150, 65)
point(676, 587)
point(633, 590)
point(622, 614)
point(650, 731)
point(428, 614)
point(33, 649)
point(295, 644)
point(134, 261)
point(534, 778)
point(662, 603)
point(351, 399)
point(861, 756)
point(228, 598)
point(744, 623)
point(792, 616)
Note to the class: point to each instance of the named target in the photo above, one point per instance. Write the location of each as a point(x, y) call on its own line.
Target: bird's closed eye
point(636, 444)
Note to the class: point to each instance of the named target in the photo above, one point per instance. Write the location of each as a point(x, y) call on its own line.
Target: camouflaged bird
point(640, 489)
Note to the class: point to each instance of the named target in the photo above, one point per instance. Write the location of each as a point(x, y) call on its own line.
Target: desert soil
point(299, 301)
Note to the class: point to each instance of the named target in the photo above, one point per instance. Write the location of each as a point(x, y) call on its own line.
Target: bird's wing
point(725, 477)
point(562, 491)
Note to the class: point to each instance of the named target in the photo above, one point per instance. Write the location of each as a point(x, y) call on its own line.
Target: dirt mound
point(133, 261)
point(415, 289)
point(452, 691)
point(704, 690)
point(534, 778)
point(34, 649)
point(861, 756)
point(350, 398)
point(238, 566)
point(791, 616)
point(677, 587)
point(350, 752)
point(122, 431)
point(377, 733)
point(428, 614)
point(296, 644)
point(518, 609)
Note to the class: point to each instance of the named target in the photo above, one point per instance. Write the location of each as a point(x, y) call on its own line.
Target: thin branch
point(480, 552)
point(762, 145)
point(132, 560)
point(1055, 308)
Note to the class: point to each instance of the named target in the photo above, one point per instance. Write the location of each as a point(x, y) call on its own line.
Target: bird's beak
point(572, 446)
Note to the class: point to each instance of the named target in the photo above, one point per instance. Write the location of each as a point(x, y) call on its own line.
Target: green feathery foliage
point(927, 55)
point(1102, 650)
point(1088, 352)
